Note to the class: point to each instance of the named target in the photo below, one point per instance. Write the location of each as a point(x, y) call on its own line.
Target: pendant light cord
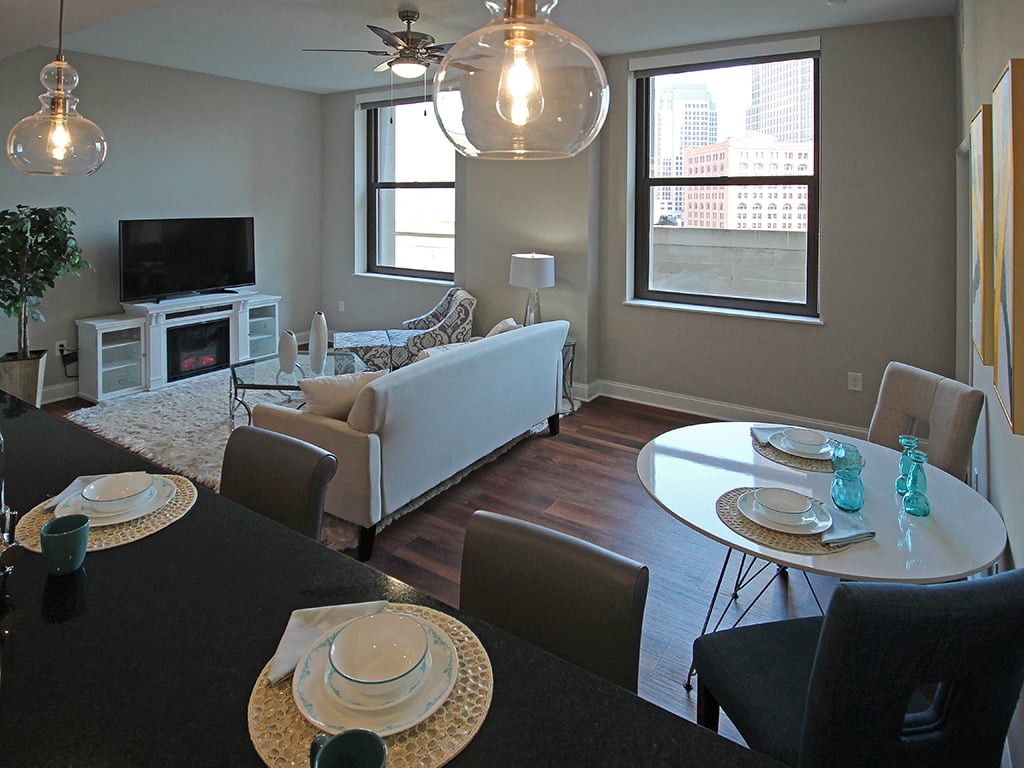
point(60, 34)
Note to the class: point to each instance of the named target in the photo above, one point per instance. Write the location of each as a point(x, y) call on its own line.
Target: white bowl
point(805, 439)
point(381, 657)
point(114, 493)
point(783, 504)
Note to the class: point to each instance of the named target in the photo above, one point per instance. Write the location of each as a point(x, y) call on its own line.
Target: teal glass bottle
point(915, 500)
point(909, 443)
point(847, 486)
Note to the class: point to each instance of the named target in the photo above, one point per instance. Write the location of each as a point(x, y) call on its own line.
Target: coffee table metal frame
point(266, 375)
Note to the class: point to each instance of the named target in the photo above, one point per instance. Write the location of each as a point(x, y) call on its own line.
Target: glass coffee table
point(264, 373)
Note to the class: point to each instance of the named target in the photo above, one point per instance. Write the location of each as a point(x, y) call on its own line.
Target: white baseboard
point(62, 391)
point(712, 409)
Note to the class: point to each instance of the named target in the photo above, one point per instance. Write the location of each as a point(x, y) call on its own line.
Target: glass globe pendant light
point(520, 88)
point(56, 140)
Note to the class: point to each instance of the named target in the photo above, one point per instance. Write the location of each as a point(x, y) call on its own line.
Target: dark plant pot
point(24, 378)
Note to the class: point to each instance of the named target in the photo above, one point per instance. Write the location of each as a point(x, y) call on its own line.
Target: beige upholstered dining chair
point(278, 476)
point(912, 401)
point(577, 600)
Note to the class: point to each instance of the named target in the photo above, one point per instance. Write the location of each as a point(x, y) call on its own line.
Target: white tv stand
point(119, 354)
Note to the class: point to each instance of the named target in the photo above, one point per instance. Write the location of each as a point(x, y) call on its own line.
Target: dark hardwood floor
point(584, 482)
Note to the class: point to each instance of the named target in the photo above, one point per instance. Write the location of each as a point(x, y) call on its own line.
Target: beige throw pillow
point(333, 396)
point(508, 324)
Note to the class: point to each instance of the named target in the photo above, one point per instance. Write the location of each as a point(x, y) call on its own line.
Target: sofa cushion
point(333, 396)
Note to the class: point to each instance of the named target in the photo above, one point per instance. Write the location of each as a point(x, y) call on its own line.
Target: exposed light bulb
point(520, 97)
point(58, 141)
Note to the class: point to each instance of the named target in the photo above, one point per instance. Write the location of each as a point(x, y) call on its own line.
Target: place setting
point(120, 508)
point(417, 678)
point(796, 447)
point(790, 521)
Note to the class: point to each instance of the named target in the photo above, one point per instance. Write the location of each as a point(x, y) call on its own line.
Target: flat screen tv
point(162, 258)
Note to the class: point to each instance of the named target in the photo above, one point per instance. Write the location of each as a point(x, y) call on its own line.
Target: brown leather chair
point(572, 598)
point(944, 412)
point(278, 476)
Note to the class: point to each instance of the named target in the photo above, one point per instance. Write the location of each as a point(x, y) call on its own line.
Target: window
point(410, 193)
point(761, 108)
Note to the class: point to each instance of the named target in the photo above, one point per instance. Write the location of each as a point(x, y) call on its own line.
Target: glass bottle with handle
point(909, 443)
point(915, 501)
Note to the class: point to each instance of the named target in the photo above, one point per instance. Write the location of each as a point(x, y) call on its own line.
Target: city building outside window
point(410, 193)
point(754, 113)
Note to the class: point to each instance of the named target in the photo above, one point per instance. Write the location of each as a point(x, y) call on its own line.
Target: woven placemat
point(806, 544)
point(772, 453)
point(107, 536)
point(282, 735)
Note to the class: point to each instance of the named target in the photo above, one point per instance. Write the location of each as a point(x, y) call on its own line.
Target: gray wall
point(887, 245)
point(180, 144)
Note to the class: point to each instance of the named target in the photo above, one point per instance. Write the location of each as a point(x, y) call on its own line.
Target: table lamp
point(533, 271)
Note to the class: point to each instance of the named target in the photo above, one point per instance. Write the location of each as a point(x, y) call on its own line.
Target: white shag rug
point(184, 427)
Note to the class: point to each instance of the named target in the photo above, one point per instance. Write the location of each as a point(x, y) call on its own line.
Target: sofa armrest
point(354, 493)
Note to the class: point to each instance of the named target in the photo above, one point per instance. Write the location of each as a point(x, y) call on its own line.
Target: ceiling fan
point(413, 51)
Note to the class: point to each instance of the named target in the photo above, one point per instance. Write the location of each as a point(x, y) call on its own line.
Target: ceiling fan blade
point(350, 50)
point(383, 66)
point(389, 38)
point(442, 49)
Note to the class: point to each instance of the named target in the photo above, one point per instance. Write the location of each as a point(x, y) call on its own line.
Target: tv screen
point(171, 257)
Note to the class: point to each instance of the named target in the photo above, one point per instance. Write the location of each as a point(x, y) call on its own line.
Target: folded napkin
point(763, 432)
point(305, 626)
point(846, 528)
point(73, 489)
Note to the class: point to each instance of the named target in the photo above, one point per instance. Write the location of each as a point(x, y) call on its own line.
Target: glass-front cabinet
point(112, 354)
point(262, 329)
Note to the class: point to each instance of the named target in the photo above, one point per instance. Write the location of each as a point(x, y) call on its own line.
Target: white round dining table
point(686, 470)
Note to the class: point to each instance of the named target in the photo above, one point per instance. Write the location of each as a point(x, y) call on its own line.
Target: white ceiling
point(262, 40)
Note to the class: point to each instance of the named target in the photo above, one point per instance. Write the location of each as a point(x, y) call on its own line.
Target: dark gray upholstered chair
point(837, 691)
point(278, 476)
point(570, 597)
point(912, 401)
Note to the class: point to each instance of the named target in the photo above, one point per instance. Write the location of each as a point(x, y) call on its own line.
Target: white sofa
point(415, 427)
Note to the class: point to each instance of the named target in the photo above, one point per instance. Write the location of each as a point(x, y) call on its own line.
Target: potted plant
point(37, 245)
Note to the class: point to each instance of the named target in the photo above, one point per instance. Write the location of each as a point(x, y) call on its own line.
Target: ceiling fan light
point(520, 88)
point(408, 69)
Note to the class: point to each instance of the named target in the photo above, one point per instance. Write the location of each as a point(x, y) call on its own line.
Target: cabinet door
point(262, 331)
point(121, 358)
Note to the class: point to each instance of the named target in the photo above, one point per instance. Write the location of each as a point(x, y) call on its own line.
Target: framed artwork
point(983, 312)
point(1008, 240)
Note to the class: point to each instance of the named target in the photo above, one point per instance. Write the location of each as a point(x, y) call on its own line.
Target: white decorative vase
point(318, 344)
point(287, 351)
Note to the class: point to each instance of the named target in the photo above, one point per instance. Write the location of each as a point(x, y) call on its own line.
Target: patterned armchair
point(450, 321)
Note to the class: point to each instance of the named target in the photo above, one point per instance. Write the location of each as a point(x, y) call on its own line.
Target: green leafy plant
point(37, 245)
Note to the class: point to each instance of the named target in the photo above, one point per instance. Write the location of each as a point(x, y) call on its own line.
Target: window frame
point(644, 185)
point(374, 186)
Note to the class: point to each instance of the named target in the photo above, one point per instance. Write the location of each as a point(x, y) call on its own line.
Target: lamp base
point(532, 315)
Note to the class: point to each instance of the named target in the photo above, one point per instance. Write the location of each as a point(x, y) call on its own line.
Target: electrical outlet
point(341, 306)
point(854, 382)
point(61, 346)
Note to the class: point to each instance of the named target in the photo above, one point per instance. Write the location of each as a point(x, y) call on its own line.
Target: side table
point(568, 360)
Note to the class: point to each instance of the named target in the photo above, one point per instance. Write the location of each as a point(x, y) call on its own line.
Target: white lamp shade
point(532, 270)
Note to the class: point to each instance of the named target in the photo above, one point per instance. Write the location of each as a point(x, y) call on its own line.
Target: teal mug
point(64, 541)
point(355, 748)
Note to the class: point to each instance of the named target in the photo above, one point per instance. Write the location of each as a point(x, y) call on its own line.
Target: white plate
point(163, 491)
point(749, 508)
point(780, 441)
point(324, 710)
